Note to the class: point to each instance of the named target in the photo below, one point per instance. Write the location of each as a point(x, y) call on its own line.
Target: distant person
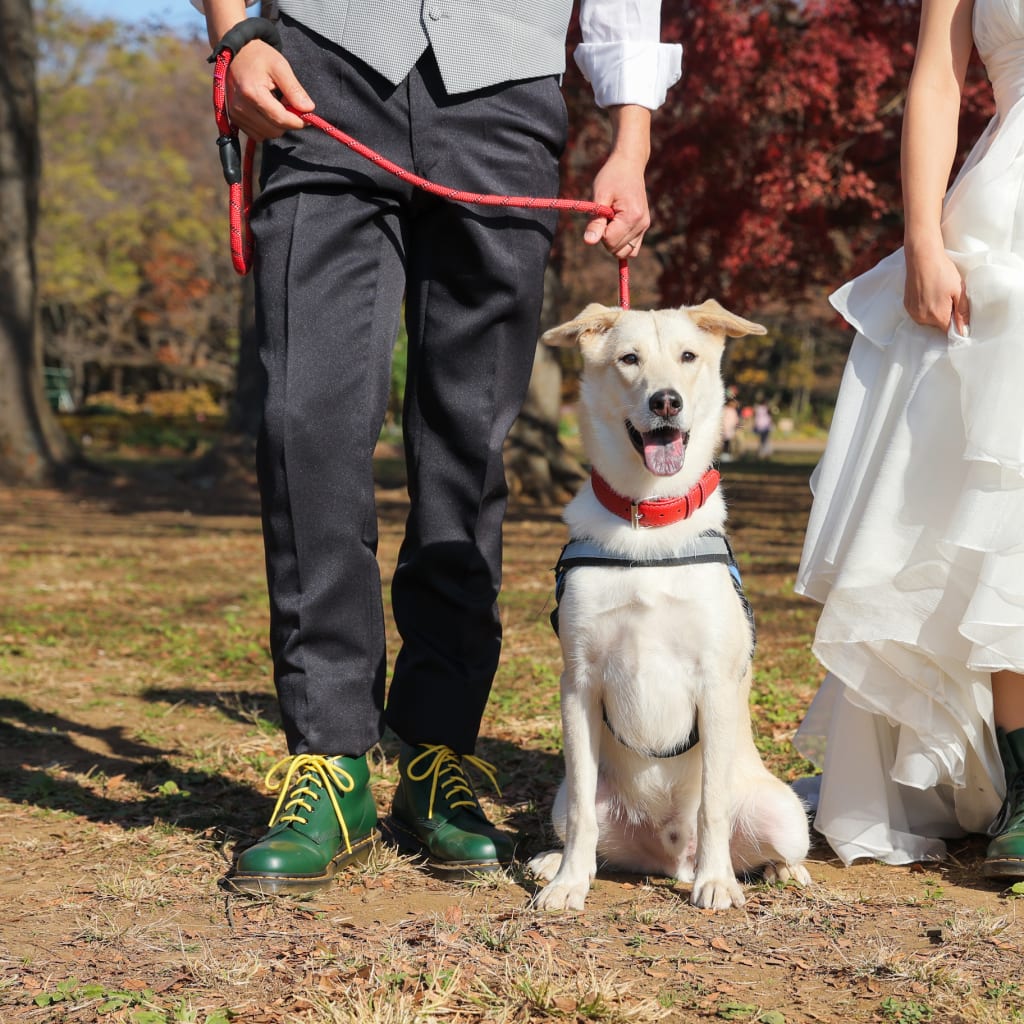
point(730, 428)
point(466, 93)
point(915, 543)
point(763, 426)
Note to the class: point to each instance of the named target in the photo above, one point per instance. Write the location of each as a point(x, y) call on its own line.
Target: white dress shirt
point(621, 54)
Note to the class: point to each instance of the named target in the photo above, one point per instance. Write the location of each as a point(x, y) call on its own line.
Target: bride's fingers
point(962, 312)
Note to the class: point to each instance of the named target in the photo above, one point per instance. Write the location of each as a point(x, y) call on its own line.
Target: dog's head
point(651, 393)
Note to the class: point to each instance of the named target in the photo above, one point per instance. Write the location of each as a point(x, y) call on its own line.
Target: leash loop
point(247, 31)
point(238, 170)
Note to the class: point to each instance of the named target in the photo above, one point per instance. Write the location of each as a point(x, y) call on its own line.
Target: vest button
point(434, 13)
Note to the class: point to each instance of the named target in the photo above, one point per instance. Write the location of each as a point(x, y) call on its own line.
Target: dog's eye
point(629, 359)
point(688, 356)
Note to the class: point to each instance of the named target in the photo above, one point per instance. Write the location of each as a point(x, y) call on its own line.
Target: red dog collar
point(655, 511)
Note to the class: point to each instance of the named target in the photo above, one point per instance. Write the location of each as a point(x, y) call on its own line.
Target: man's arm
point(630, 69)
point(620, 183)
point(258, 74)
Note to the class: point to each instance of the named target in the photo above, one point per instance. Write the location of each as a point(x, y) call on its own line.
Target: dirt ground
point(137, 721)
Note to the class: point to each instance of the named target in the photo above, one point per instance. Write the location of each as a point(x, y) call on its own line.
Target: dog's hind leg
point(770, 833)
point(636, 847)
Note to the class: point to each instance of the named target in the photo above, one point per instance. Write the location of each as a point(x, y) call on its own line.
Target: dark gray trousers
point(339, 243)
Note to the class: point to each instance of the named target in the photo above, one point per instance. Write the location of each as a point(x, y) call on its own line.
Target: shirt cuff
point(630, 71)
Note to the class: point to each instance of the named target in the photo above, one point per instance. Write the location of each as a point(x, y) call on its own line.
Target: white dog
point(662, 775)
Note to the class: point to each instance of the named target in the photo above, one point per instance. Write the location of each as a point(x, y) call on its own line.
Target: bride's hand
point(934, 294)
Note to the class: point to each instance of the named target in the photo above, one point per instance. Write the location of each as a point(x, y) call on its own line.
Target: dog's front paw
point(783, 873)
point(545, 865)
point(558, 896)
point(717, 894)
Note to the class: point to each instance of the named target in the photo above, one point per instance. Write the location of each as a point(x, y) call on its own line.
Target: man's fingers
point(290, 88)
point(595, 230)
point(623, 242)
point(261, 83)
point(627, 228)
point(263, 119)
point(628, 250)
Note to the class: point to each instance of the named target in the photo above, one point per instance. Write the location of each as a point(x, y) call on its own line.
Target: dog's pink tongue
point(663, 452)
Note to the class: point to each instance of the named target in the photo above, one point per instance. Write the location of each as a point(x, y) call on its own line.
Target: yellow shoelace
point(300, 771)
point(446, 767)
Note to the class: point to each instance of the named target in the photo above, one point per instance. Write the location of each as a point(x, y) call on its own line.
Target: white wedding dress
point(915, 544)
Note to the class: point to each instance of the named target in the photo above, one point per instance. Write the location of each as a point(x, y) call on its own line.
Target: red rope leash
point(239, 175)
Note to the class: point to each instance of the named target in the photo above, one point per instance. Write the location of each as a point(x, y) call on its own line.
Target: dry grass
point(137, 723)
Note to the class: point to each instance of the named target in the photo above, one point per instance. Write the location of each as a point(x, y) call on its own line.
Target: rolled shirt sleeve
point(622, 55)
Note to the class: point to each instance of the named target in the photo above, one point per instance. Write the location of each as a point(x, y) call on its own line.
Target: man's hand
point(620, 184)
point(257, 77)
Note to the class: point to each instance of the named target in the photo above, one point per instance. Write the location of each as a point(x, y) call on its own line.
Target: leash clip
point(230, 158)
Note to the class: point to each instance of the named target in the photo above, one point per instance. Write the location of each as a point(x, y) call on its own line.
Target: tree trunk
point(537, 464)
point(31, 447)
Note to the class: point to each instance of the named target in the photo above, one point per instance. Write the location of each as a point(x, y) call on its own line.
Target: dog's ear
point(595, 319)
point(713, 317)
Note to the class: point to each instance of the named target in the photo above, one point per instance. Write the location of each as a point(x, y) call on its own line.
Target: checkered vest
point(477, 43)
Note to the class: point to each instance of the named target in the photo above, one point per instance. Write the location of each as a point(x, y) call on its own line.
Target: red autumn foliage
point(775, 169)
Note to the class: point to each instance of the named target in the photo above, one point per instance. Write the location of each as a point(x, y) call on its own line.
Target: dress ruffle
point(915, 543)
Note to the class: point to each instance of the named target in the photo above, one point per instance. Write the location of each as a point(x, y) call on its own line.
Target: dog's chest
point(646, 625)
point(654, 645)
point(649, 641)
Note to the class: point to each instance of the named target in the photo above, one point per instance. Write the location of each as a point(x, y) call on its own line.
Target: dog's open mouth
point(662, 449)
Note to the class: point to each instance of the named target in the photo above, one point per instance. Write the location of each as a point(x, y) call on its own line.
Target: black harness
point(705, 548)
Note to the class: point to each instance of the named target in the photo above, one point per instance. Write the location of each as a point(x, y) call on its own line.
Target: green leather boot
point(437, 816)
point(325, 818)
point(1004, 857)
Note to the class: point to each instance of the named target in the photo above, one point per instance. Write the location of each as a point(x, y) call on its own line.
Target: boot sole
point(297, 885)
point(399, 835)
point(1009, 867)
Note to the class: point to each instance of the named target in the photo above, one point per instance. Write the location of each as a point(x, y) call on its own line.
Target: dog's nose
point(666, 403)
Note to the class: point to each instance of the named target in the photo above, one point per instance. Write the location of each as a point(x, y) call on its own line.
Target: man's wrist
point(221, 17)
point(631, 132)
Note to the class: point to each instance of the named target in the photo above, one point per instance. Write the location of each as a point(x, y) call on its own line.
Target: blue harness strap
point(705, 548)
point(688, 744)
point(711, 546)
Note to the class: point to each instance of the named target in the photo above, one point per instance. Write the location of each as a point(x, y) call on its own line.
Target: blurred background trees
point(774, 177)
point(135, 293)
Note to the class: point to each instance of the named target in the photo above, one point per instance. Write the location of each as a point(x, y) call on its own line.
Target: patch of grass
point(904, 1011)
point(139, 721)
